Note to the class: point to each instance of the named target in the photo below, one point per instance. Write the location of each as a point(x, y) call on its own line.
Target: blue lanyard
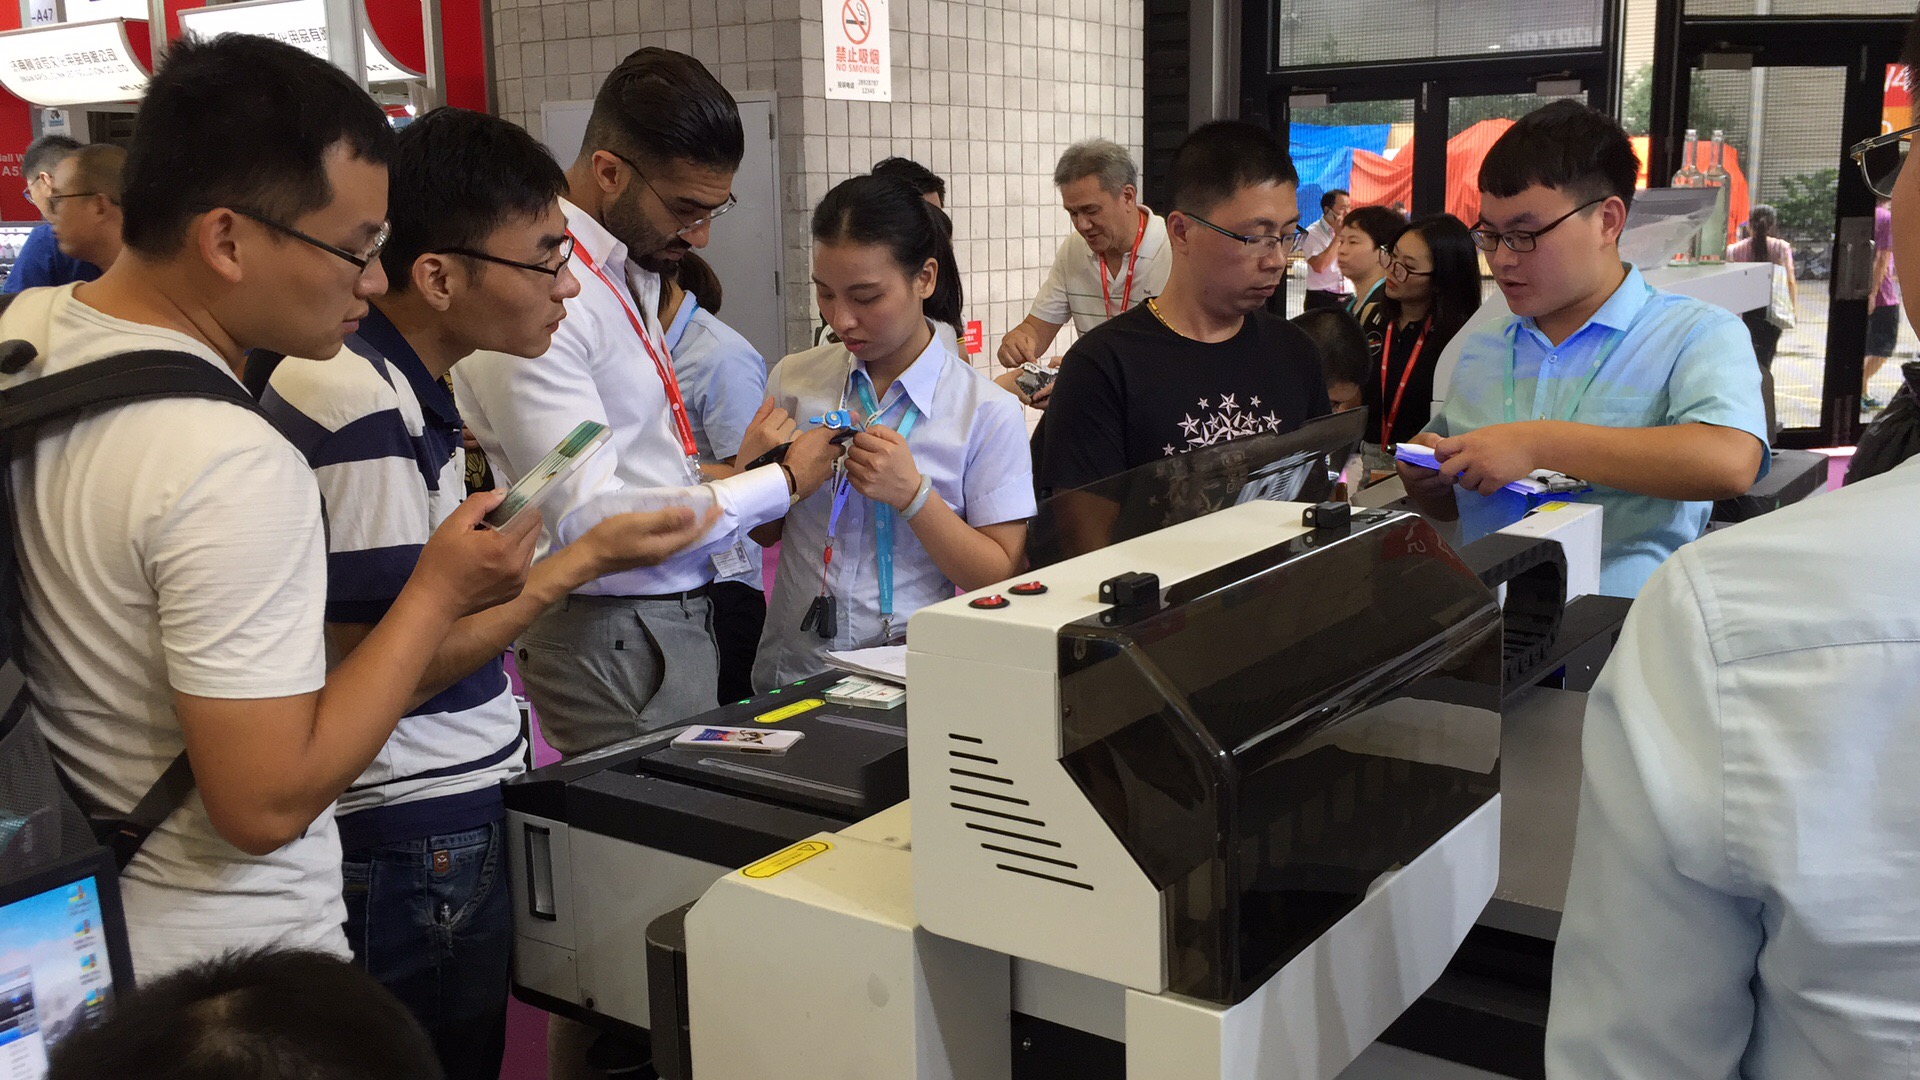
point(883, 515)
point(1614, 338)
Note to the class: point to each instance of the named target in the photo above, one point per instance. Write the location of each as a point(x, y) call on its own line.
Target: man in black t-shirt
point(1202, 363)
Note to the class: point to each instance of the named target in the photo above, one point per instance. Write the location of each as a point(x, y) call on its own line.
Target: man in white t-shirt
point(1326, 286)
point(173, 558)
point(1116, 257)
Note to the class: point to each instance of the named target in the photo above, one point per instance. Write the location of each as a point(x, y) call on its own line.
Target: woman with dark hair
point(1761, 245)
point(1432, 289)
point(936, 485)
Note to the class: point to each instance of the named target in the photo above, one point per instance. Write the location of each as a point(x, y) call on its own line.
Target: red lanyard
point(682, 426)
point(1133, 260)
point(1386, 358)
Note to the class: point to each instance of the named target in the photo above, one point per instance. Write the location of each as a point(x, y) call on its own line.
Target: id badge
point(731, 561)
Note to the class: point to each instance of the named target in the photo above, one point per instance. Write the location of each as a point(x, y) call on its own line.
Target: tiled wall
point(986, 94)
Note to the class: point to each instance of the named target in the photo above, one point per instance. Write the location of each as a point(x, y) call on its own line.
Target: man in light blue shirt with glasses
point(1652, 398)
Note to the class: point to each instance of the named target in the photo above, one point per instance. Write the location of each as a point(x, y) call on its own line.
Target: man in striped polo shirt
point(478, 259)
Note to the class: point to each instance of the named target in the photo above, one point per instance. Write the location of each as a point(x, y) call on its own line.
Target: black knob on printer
point(1131, 590)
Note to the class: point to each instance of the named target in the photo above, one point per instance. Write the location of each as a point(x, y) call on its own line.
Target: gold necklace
point(1155, 308)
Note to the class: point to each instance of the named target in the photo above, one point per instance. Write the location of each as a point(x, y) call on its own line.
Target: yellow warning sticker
point(781, 861)
point(1544, 508)
point(789, 711)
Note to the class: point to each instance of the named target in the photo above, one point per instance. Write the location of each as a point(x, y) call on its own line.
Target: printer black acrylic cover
point(1284, 731)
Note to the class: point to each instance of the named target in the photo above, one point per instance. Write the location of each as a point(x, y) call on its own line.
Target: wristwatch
point(919, 500)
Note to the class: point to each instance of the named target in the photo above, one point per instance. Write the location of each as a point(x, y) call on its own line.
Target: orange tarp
point(1381, 181)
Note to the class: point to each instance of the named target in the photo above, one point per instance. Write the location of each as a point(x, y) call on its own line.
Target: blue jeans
point(432, 920)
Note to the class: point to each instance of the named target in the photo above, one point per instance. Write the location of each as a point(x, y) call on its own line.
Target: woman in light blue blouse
point(936, 486)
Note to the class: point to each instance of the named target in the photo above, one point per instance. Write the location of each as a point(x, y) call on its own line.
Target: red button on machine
point(989, 603)
point(1030, 588)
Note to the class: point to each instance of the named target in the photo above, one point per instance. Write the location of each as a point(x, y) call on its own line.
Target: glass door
point(1361, 147)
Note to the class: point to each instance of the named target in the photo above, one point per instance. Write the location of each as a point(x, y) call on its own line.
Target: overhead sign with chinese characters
point(859, 50)
point(300, 23)
point(74, 63)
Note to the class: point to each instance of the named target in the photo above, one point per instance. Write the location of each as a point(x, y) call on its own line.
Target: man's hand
point(1019, 345)
point(467, 566)
point(1489, 458)
point(769, 427)
point(1429, 490)
point(625, 541)
point(1009, 381)
point(881, 467)
point(811, 457)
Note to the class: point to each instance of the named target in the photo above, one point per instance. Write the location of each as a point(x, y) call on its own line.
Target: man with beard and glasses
point(633, 651)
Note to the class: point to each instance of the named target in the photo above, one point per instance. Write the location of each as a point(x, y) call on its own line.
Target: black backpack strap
point(117, 380)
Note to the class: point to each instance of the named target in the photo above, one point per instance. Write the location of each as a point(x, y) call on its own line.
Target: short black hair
point(100, 168)
point(241, 121)
point(1344, 356)
point(43, 154)
point(1564, 145)
point(662, 106)
point(1910, 54)
point(1219, 158)
point(458, 175)
point(1329, 197)
point(247, 1015)
point(924, 180)
point(1380, 223)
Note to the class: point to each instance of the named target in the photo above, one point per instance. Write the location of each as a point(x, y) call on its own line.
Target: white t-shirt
point(171, 545)
point(1073, 286)
point(1320, 236)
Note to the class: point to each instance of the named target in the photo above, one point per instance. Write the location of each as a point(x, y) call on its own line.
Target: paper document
point(887, 662)
point(1541, 482)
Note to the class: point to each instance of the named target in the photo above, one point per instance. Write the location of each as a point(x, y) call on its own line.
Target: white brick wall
point(986, 94)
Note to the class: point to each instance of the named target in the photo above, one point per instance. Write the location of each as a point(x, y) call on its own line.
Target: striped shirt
point(724, 381)
point(1073, 286)
point(383, 438)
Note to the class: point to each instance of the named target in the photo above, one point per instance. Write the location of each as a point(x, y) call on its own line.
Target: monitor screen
point(56, 969)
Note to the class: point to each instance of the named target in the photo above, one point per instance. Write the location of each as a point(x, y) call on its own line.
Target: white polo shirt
point(1320, 236)
point(597, 369)
point(171, 545)
point(1073, 285)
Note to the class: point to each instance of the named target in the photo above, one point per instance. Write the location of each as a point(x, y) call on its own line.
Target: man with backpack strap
point(172, 553)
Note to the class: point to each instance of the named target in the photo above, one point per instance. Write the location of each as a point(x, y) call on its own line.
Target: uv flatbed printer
point(1221, 800)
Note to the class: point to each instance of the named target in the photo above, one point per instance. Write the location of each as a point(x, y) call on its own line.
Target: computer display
point(62, 954)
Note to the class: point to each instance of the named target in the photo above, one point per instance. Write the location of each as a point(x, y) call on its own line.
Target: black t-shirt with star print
point(1132, 391)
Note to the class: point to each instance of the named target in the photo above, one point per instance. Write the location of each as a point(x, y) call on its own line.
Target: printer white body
point(1237, 823)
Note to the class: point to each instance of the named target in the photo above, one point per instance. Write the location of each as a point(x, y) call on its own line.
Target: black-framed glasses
point(1524, 240)
point(1399, 271)
point(1881, 158)
point(685, 225)
point(1385, 255)
point(53, 201)
point(565, 255)
point(27, 192)
point(1273, 244)
point(360, 260)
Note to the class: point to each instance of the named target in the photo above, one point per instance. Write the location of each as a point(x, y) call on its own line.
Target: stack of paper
point(888, 662)
point(1542, 482)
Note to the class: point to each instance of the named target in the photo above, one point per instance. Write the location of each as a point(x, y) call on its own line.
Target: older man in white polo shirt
point(1116, 257)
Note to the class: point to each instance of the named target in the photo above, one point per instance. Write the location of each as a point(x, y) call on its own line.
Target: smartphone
point(545, 479)
point(745, 740)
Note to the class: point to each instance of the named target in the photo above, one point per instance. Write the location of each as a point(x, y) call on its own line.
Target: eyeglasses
point(1273, 245)
point(1524, 240)
point(1400, 271)
point(53, 201)
point(27, 192)
point(565, 253)
point(1881, 158)
point(360, 260)
point(1385, 255)
point(685, 225)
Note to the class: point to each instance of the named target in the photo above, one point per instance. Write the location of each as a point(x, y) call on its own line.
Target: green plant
point(1805, 203)
point(1636, 105)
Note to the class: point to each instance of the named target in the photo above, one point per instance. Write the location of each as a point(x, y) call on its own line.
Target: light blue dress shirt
point(1745, 897)
point(1662, 359)
point(723, 380)
point(970, 440)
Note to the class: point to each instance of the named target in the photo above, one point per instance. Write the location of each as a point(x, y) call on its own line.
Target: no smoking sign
point(859, 53)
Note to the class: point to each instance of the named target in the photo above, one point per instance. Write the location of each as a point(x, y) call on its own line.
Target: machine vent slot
point(980, 776)
point(1043, 877)
point(973, 757)
point(998, 814)
point(1030, 855)
point(988, 795)
point(1012, 835)
point(965, 738)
